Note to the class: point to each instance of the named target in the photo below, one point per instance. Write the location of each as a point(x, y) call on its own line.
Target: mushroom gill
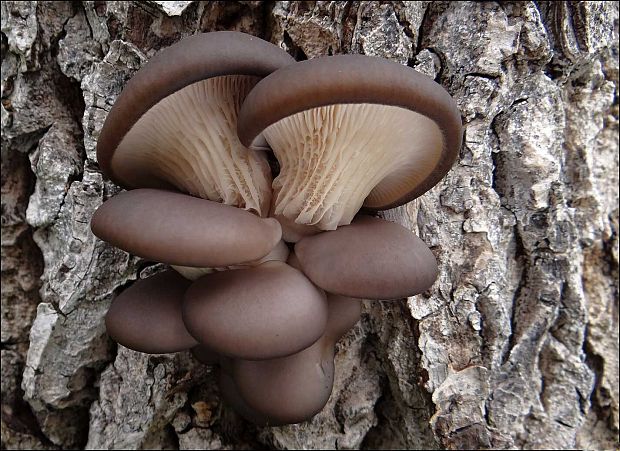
point(335, 158)
point(189, 140)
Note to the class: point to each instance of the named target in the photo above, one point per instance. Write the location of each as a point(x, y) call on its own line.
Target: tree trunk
point(515, 346)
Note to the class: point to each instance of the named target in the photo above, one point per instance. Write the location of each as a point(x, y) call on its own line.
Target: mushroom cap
point(174, 125)
point(370, 259)
point(357, 79)
point(295, 388)
point(264, 312)
point(179, 229)
point(146, 317)
point(231, 396)
point(290, 389)
point(195, 58)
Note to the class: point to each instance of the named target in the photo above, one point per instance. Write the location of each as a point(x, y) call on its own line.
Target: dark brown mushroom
point(179, 229)
point(146, 317)
point(293, 389)
point(349, 131)
point(267, 311)
point(371, 259)
point(174, 124)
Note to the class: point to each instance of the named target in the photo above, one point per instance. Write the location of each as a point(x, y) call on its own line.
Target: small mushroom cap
point(146, 317)
point(289, 389)
point(358, 79)
point(190, 60)
point(178, 229)
point(370, 259)
point(264, 312)
point(344, 313)
point(295, 388)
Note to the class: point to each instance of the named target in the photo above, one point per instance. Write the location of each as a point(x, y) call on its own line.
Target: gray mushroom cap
point(292, 389)
point(369, 259)
point(268, 311)
point(183, 230)
point(178, 115)
point(146, 317)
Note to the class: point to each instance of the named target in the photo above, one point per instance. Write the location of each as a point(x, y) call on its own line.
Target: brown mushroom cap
point(295, 388)
point(268, 311)
point(347, 130)
point(231, 396)
point(371, 259)
point(174, 124)
point(179, 229)
point(344, 313)
point(146, 317)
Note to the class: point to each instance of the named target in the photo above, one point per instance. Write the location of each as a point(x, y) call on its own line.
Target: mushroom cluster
point(246, 172)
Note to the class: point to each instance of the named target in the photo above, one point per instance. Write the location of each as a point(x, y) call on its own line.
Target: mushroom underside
point(189, 140)
point(336, 158)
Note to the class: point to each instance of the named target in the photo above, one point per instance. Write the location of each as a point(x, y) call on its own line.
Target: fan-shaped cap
point(370, 259)
point(264, 312)
point(146, 317)
point(295, 388)
point(347, 130)
point(179, 229)
point(174, 123)
point(231, 396)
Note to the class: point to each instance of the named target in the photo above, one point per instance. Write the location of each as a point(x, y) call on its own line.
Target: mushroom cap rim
point(189, 60)
point(354, 79)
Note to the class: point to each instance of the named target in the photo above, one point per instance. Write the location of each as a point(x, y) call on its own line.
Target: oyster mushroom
point(179, 229)
point(268, 311)
point(292, 389)
point(174, 124)
point(375, 259)
point(349, 131)
point(146, 317)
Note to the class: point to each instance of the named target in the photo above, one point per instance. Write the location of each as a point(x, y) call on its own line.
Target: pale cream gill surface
point(332, 158)
point(190, 140)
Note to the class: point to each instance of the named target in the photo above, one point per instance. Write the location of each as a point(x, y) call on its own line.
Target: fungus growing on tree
point(292, 389)
point(174, 124)
point(349, 131)
point(146, 317)
point(370, 259)
point(268, 311)
point(189, 136)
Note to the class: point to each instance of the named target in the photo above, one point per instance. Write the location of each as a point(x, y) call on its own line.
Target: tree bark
point(515, 346)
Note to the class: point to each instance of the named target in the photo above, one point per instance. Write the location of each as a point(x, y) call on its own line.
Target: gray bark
point(515, 346)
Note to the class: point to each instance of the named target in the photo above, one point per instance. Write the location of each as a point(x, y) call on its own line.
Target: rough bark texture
point(516, 345)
